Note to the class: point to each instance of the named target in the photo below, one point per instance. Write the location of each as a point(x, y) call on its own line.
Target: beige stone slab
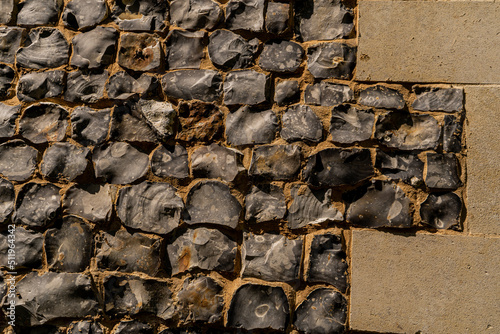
point(482, 105)
point(425, 283)
point(429, 41)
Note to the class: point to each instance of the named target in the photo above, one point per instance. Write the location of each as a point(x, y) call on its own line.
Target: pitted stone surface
point(195, 14)
point(381, 97)
point(129, 123)
point(43, 48)
point(277, 17)
point(246, 126)
point(160, 116)
point(17, 160)
point(278, 162)
point(87, 87)
point(85, 327)
point(184, 49)
point(281, 56)
point(331, 60)
point(28, 248)
point(452, 134)
point(132, 327)
point(265, 202)
point(123, 85)
point(6, 11)
point(37, 204)
point(139, 52)
point(299, 122)
point(215, 161)
point(7, 76)
point(80, 14)
point(64, 161)
point(245, 15)
point(44, 122)
point(37, 86)
point(442, 171)
point(204, 85)
point(200, 299)
point(439, 99)
point(10, 40)
point(95, 48)
point(7, 197)
point(91, 201)
point(8, 117)
point(227, 49)
point(245, 87)
point(38, 12)
point(287, 92)
point(200, 121)
point(349, 124)
point(399, 166)
point(170, 161)
point(327, 94)
point(140, 15)
point(89, 126)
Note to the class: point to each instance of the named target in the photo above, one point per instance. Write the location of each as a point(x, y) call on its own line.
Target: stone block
point(17, 160)
point(246, 126)
point(44, 122)
point(37, 204)
point(10, 40)
point(140, 15)
point(230, 50)
point(184, 49)
point(84, 14)
point(195, 14)
point(43, 48)
point(40, 85)
point(203, 85)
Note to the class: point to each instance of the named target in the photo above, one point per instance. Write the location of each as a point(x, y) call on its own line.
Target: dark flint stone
point(50, 295)
point(37, 204)
point(277, 17)
point(140, 15)
point(439, 99)
point(327, 94)
point(323, 20)
point(381, 97)
point(265, 202)
point(88, 126)
point(64, 161)
point(331, 60)
point(333, 167)
point(441, 210)
point(17, 160)
point(211, 202)
point(287, 92)
point(327, 261)
point(195, 14)
point(7, 197)
point(184, 49)
point(95, 48)
point(85, 86)
point(8, 117)
point(323, 311)
point(247, 127)
point(85, 327)
point(271, 257)
point(442, 171)
point(202, 122)
point(10, 40)
point(160, 116)
point(90, 201)
point(200, 299)
point(215, 161)
point(299, 122)
point(129, 295)
point(7, 75)
point(399, 166)
point(69, 248)
point(204, 85)
point(383, 204)
point(170, 161)
point(128, 123)
point(7, 10)
point(246, 87)
point(256, 306)
point(122, 86)
point(38, 12)
point(245, 15)
point(44, 122)
point(278, 162)
point(349, 124)
point(28, 249)
point(407, 131)
point(133, 327)
point(230, 50)
point(119, 163)
point(203, 248)
point(139, 52)
point(281, 56)
point(37, 86)
point(80, 14)
point(452, 134)
point(311, 207)
point(128, 253)
point(150, 207)
point(43, 48)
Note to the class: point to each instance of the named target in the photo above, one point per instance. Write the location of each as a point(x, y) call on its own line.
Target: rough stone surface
point(327, 94)
point(439, 99)
point(200, 299)
point(160, 116)
point(170, 161)
point(90, 201)
point(452, 134)
point(245, 15)
point(38, 12)
point(299, 122)
point(230, 50)
point(37, 86)
point(246, 87)
point(139, 15)
point(381, 97)
point(184, 49)
point(349, 124)
point(123, 85)
point(246, 126)
point(277, 17)
point(37, 204)
point(7, 76)
point(43, 48)
point(132, 327)
point(287, 92)
point(215, 161)
point(195, 14)
point(139, 52)
point(331, 60)
point(95, 48)
point(10, 40)
point(265, 202)
point(281, 56)
point(44, 122)
point(277, 162)
point(8, 117)
point(84, 14)
point(6, 11)
point(89, 126)
point(399, 166)
point(442, 171)
point(17, 160)
point(199, 121)
point(7, 197)
point(85, 87)
point(129, 123)
point(204, 85)
point(85, 327)
point(64, 161)
point(441, 210)
point(28, 248)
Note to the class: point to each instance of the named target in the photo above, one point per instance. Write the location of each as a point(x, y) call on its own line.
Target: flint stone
point(407, 131)
point(256, 306)
point(331, 60)
point(215, 161)
point(349, 124)
point(170, 161)
point(452, 134)
point(311, 207)
point(211, 202)
point(333, 167)
point(6, 11)
point(301, 123)
point(381, 97)
point(200, 299)
point(323, 311)
point(398, 166)
point(195, 14)
point(140, 15)
point(8, 116)
point(37, 204)
point(160, 116)
point(128, 253)
point(287, 92)
point(129, 123)
point(439, 99)
point(69, 248)
point(247, 127)
point(119, 163)
point(37, 86)
point(17, 160)
point(44, 122)
point(246, 87)
point(230, 50)
point(139, 52)
point(85, 87)
point(38, 12)
point(89, 126)
point(10, 40)
point(54, 295)
point(28, 249)
point(441, 211)
point(43, 48)
point(281, 56)
point(122, 86)
point(7, 197)
point(265, 203)
point(133, 327)
point(7, 76)
point(89, 201)
point(203, 85)
point(277, 17)
point(442, 171)
point(85, 327)
point(202, 122)
point(245, 15)
point(64, 161)
point(202, 248)
point(383, 204)
point(278, 162)
point(95, 48)
point(327, 94)
point(80, 14)
point(184, 49)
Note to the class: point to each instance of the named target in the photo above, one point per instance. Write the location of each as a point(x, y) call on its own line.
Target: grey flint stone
point(43, 48)
point(119, 162)
point(230, 50)
point(245, 15)
point(95, 48)
point(184, 49)
point(37, 204)
point(129, 123)
point(349, 124)
point(256, 306)
point(203, 248)
point(39, 12)
point(69, 248)
point(90, 201)
point(200, 299)
point(399, 166)
point(44, 122)
point(85, 327)
point(170, 161)
point(139, 52)
point(122, 85)
point(215, 161)
point(246, 126)
point(331, 60)
point(37, 86)
point(7, 197)
point(8, 117)
point(439, 99)
point(211, 202)
point(299, 122)
point(246, 87)
point(271, 257)
point(452, 134)
point(265, 202)
point(195, 14)
point(160, 116)
point(381, 97)
point(287, 92)
point(310, 207)
point(442, 171)
point(277, 162)
point(64, 161)
point(17, 160)
point(203, 85)
point(28, 248)
point(129, 253)
point(6, 10)
point(10, 40)
point(133, 327)
point(441, 211)
point(277, 17)
point(7, 76)
point(140, 15)
point(327, 94)
point(89, 126)
point(281, 56)
point(87, 87)
point(80, 14)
